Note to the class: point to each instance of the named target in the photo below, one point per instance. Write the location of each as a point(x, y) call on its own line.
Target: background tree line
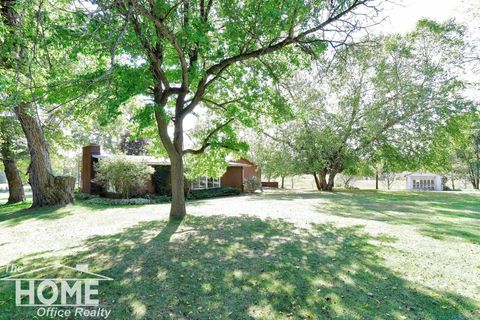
point(391, 105)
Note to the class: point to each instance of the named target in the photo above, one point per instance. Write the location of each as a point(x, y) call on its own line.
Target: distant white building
point(424, 182)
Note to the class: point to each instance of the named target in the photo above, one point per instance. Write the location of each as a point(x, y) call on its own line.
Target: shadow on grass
point(14, 214)
point(247, 268)
point(438, 215)
point(99, 207)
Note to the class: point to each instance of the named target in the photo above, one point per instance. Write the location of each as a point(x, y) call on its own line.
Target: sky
point(402, 16)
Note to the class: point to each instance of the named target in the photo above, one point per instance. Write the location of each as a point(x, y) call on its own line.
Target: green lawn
point(343, 255)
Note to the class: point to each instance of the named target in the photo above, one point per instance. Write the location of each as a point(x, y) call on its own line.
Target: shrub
point(84, 196)
point(348, 181)
point(350, 187)
point(124, 176)
point(252, 184)
point(160, 180)
point(162, 199)
point(118, 202)
point(213, 193)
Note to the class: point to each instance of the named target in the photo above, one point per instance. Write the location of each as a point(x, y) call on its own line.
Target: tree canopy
point(371, 101)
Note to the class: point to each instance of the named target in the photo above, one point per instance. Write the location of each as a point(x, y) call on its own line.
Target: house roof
point(145, 159)
point(237, 164)
point(152, 161)
point(414, 174)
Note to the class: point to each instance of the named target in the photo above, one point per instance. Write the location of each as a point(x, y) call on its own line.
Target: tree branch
point(206, 142)
point(163, 30)
point(219, 67)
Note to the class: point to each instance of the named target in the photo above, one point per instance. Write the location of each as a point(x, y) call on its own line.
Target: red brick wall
point(233, 178)
point(87, 166)
point(251, 170)
point(149, 186)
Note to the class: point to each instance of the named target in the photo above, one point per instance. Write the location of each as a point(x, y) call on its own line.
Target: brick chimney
point(87, 166)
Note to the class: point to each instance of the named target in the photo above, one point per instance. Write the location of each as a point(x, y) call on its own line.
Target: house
point(237, 172)
point(424, 182)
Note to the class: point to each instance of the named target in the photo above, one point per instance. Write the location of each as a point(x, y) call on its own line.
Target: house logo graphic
point(77, 288)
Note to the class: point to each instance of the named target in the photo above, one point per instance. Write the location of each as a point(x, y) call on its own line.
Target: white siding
point(425, 182)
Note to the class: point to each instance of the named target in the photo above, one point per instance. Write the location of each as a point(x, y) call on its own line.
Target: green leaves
point(122, 175)
point(379, 103)
point(437, 28)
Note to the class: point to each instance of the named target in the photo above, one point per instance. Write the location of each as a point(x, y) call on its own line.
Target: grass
point(439, 215)
point(250, 267)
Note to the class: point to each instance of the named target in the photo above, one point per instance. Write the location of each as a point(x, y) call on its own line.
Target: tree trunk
point(474, 178)
point(317, 182)
point(15, 187)
point(477, 171)
point(453, 184)
point(474, 183)
point(322, 177)
point(283, 182)
point(331, 181)
point(477, 177)
point(376, 180)
point(174, 150)
point(177, 209)
point(321, 181)
point(47, 189)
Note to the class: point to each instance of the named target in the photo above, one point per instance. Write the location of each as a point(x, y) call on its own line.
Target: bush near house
point(160, 180)
point(153, 198)
point(118, 202)
point(252, 184)
point(161, 199)
point(214, 193)
point(84, 196)
point(161, 183)
point(124, 176)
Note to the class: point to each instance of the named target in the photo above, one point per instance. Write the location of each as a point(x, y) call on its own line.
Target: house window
point(424, 184)
point(205, 183)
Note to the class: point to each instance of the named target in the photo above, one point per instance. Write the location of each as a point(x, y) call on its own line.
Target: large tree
point(220, 55)
point(393, 94)
point(10, 147)
point(24, 59)
point(274, 158)
point(456, 149)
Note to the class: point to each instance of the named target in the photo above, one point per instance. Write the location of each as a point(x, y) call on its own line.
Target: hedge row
point(194, 195)
point(214, 193)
